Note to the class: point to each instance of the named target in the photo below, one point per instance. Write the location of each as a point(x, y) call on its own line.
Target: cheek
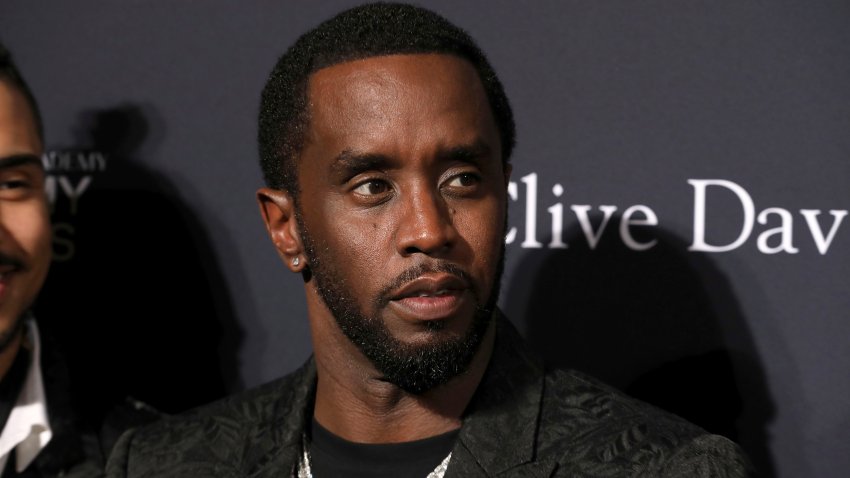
point(28, 226)
point(483, 230)
point(355, 241)
point(40, 235)
point(359, 244)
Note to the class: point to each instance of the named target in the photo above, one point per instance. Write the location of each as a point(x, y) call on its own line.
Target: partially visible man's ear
point(278, 211)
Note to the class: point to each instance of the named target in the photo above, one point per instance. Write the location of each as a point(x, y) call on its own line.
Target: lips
point(430, 296)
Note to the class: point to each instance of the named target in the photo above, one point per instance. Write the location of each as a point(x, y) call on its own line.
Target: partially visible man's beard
point(8, 336)
point(415, 368)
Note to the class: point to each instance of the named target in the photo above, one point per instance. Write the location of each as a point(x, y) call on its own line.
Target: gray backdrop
point(718, 295)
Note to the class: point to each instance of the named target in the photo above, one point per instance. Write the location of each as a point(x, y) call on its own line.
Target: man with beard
point(384, 140)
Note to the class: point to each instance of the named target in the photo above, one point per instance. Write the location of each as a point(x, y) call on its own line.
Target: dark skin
point(401, 167)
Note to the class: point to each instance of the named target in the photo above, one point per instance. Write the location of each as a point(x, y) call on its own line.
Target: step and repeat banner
point(678, 207)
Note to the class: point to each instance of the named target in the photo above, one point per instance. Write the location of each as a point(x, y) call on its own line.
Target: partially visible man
point(25, 254)
point(42, 435)
point(385, 137)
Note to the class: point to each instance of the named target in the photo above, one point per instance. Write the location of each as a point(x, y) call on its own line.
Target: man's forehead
point(377, 86)
point(18, 130)
point(415, 67)
point(395, 99)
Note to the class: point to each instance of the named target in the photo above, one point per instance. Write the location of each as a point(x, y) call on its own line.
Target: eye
point(372, 187)
point(13, 184)
point(14, 188)
point(464, 180)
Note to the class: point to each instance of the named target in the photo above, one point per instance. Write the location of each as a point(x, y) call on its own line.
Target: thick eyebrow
point(467, 153)
point(350, 163)
point(15, 160)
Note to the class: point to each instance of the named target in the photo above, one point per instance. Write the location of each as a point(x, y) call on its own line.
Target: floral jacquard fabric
point(524, 421)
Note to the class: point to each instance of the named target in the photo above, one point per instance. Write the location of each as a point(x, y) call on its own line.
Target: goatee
point(415, 368)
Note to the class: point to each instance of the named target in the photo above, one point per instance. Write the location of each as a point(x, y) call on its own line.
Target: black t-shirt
point(332, 456)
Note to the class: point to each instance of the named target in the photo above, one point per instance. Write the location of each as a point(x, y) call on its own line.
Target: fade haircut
point(366, 31)
point(10, 74)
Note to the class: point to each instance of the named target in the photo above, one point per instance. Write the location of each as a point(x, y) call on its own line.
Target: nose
point(426, 225)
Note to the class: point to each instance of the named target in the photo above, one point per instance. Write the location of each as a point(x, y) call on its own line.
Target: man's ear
point(278, 211)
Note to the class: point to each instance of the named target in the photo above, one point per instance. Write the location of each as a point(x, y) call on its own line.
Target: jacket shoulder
point(590, 428)
point(219, 439)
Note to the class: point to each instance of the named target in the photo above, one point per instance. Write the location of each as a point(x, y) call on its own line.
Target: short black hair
point(366, 31)
point(12, 76)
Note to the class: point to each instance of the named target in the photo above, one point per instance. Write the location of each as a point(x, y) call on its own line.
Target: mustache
point(414, 272)
point(9, 260)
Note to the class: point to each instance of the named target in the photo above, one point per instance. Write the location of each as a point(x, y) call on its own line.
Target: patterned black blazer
point(522, 422)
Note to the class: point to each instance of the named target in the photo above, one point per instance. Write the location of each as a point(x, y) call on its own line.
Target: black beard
point(8, 336)
point(415, 368)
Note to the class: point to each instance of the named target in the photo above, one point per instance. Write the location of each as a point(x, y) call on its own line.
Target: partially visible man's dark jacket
point(522, 422)
point(79, 446)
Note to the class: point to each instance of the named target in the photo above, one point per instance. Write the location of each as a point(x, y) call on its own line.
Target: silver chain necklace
point(304, 470)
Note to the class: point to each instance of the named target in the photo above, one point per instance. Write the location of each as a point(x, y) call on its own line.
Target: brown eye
point(372, 187)
point(12, 184)
point(464, 180)
point(14, 188)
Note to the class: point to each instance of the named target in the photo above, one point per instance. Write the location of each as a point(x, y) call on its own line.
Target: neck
point(354, 403)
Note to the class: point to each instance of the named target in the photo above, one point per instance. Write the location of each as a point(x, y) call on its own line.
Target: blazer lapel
point(499, 429)
point(275, 444)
